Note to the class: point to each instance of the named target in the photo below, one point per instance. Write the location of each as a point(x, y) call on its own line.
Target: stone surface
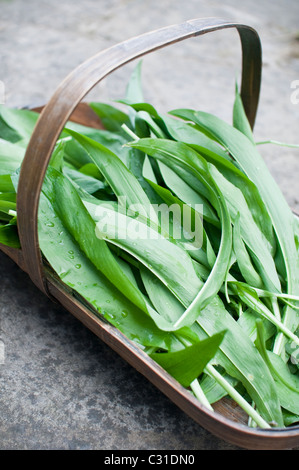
point(60, 386)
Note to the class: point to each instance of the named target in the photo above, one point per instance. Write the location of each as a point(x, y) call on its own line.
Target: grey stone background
point(60, 386)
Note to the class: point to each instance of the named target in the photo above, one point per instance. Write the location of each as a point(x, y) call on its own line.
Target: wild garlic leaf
point(18, 124)
point(122, 181)
point(9, 235)
point(80, 274)
point(165, 150)
point(69, 207)
point(287, 384)
point(170, 263)
point(240, 120)
point(11, 156)
point(249, 231)
point(253, 165)
point(111, 117)
point(187, 364)
point(231, 171)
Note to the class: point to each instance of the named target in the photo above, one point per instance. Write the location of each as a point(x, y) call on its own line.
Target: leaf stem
point(251, 422)
point(198, 392)
point(279, 342)
point(195, 386)
point(129, 132)
point(276, 142)
point(237, 397)
point(276, 309)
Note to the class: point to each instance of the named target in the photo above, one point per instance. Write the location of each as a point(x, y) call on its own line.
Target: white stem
point(237, 397)
point(198, 392)
point(129, 132)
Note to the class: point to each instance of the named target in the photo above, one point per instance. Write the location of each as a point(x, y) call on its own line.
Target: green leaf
point(6, 206)
point(187, 194)
point(186, 365)
point(167, 260)
point(9, 235)
point(111, 117)
point(165, 303)
point(248, 271)
point(6, 185)
point(191, 135)
point(134, 91)
point(214, 153)
point(166, 150)
point(237, 353)
point(249, 231)
point(12, 197)
point(139, 106)
point(240, 120)
point(11, 156)
point(287, 384)
point(250, 297)
point(290, 418)
point(71, 210)
point(253, 165)
point(20, 122)
point(241, 360)
point(247, 321)
point(194, 237)
point(88, 183)
point(77, 156)
point(90, 169)
point(80, 274)
point(125, 186)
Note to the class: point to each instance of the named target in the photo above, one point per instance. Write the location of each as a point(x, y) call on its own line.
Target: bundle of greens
point(172, 229)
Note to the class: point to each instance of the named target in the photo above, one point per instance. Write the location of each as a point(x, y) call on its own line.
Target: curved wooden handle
point(73, 89)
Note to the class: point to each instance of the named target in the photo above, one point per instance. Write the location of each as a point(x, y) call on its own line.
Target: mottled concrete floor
point(60, 386)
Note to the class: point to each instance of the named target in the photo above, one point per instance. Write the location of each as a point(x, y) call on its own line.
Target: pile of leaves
point(172, 228)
